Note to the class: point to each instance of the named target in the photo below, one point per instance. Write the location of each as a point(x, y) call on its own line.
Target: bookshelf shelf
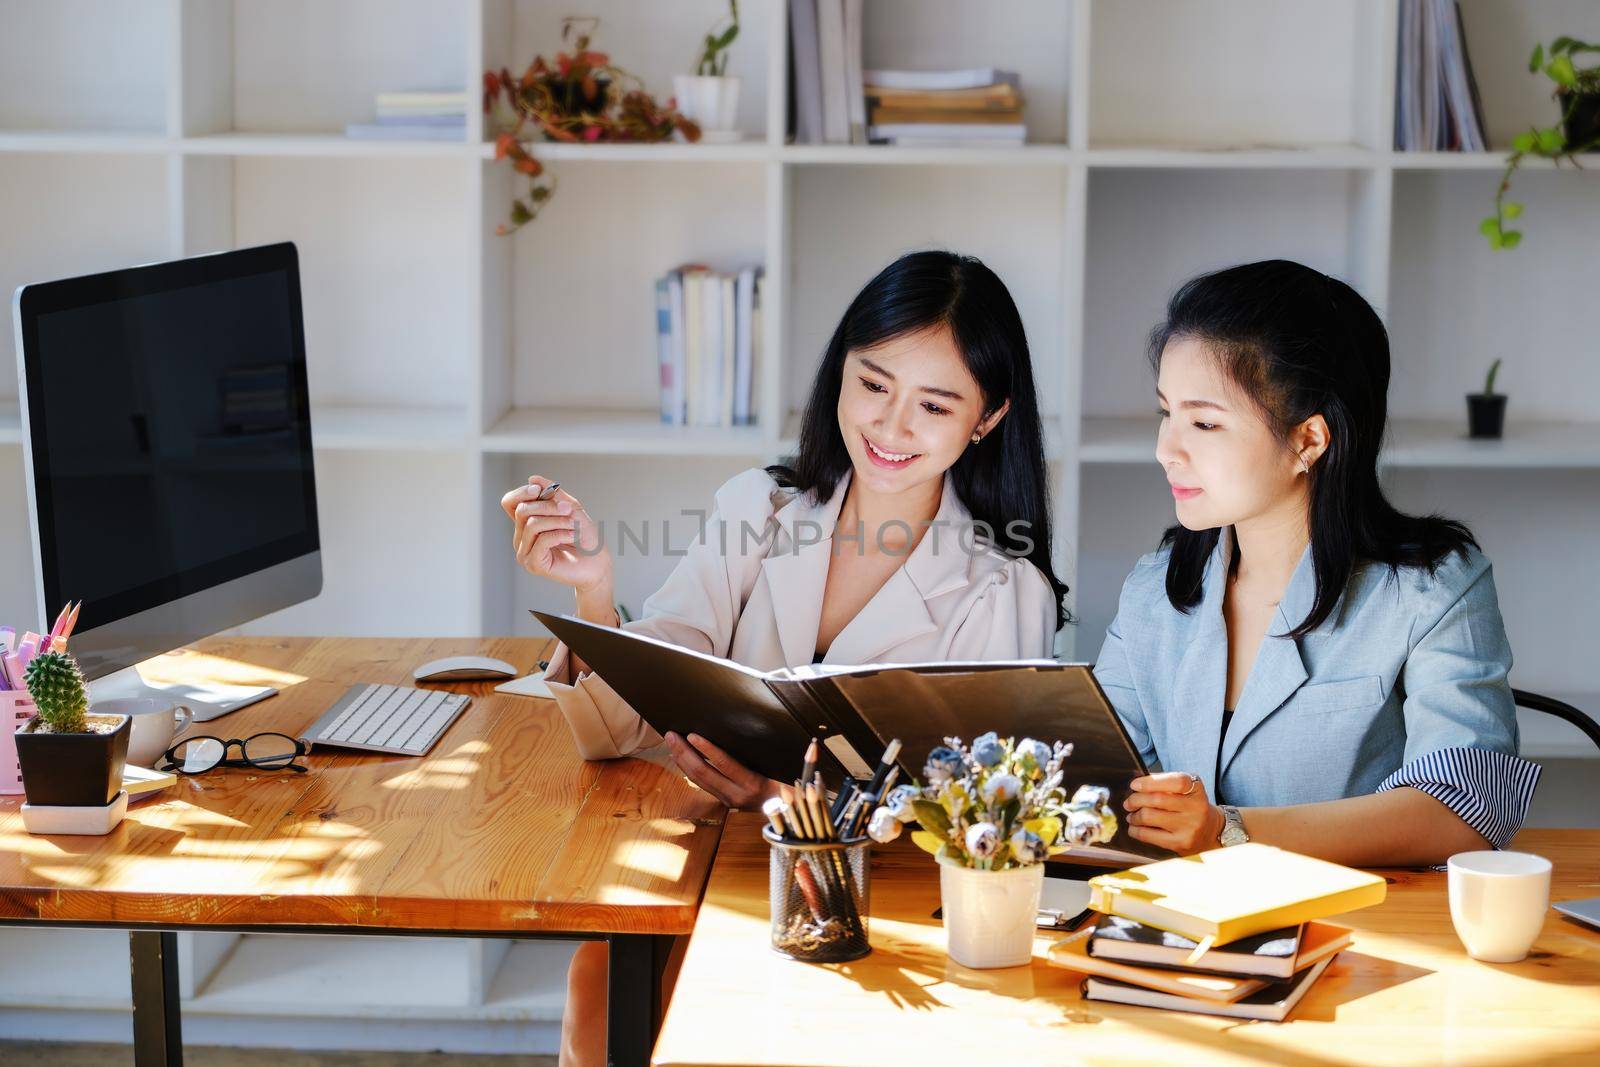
point(569, 431)
point(320, 144)
point(383, 429)
point(1421, 443)
point(1165, 137)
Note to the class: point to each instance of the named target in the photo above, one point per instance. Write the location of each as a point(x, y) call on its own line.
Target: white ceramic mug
point(1498, 902)
point(156, 722)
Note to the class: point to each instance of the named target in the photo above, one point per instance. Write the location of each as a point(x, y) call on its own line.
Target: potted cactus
point(69, 757)
point(1486, 411)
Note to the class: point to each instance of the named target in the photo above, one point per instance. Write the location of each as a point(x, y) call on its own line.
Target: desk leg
point(157, 1034)
point(633, 998)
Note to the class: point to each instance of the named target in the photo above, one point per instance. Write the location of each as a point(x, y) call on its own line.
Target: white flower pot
point(990, 916)
point(711, 103)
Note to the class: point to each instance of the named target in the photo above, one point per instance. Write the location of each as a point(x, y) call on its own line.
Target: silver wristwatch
point(1232, 827)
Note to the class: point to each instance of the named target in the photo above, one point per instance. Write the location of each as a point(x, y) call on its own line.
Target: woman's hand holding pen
point(554, 537)
point(719, 774)
point(1172, 810)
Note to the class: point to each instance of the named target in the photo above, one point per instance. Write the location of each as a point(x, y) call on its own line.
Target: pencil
point(809, 768)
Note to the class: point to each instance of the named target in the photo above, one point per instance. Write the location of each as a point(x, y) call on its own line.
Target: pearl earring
point(977, 437)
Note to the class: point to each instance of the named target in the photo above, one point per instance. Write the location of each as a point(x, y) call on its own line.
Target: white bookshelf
point(448, 363)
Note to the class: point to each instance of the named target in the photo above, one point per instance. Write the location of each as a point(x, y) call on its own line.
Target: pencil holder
point(819, 897)
point(16, 708)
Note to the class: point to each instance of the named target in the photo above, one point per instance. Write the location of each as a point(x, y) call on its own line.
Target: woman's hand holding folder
point(719, 774)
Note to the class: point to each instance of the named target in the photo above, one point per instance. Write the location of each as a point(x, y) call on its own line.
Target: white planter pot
point(712, 103)
point(989, 916)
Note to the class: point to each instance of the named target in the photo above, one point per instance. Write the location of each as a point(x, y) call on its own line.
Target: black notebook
point(1268, 955)
point(765, 719)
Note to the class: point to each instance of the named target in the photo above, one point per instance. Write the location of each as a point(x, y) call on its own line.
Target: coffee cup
point(1498, 902)
point(155, 722)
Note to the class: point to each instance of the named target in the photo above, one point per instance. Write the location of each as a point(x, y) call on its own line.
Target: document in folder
point(765, 719)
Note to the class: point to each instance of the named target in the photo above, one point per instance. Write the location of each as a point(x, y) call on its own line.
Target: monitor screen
point(169, 424)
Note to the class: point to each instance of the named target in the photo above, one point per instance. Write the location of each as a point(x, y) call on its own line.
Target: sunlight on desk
point(188, 665)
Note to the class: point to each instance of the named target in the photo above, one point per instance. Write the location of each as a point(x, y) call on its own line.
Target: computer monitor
point(166, 435)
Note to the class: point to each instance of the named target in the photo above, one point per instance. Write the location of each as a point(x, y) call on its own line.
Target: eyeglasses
point(268, 752)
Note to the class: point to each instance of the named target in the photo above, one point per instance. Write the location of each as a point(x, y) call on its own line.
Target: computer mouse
point(464, 668)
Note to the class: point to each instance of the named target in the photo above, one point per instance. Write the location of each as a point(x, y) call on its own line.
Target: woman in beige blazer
point(912, 525)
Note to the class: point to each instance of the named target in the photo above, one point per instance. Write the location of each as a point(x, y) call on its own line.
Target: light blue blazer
point(1404, 684)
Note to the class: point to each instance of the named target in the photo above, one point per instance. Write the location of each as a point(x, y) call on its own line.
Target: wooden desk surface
point(1404, 992)
point(502, 827)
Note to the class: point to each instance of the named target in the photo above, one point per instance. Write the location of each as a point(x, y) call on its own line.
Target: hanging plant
point(579, 97)
point(1577, 93)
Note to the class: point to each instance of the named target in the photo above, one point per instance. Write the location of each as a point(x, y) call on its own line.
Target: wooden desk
point(500, 831)
point(1404, 993)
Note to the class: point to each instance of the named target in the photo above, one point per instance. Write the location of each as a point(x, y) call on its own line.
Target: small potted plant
point(1577, 93)
point(1486, 411)
point(71, 760)
point(709, 97)
point(580, 97)
point(990, 815)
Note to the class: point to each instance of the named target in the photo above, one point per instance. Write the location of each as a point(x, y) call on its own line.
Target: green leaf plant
point(713, 61)
point(1573, 85)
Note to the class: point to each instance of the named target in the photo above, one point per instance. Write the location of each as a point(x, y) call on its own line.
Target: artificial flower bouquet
point(997, 805)
point(991, 814)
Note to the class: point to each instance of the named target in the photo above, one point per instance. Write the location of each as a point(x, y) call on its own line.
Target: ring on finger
point(1194, 780)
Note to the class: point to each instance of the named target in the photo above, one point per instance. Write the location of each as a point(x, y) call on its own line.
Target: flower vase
point(990, 916)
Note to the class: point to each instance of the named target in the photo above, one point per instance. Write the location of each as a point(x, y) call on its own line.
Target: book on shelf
point(891, 116)
point(708, 345)
point(807, 71)
point(1001, 96)
point(832, 87)
point(1225, 894)
point(949, 133)
point(974, 116)
point(414, 115)
point(1437, 105)
point(931, 80)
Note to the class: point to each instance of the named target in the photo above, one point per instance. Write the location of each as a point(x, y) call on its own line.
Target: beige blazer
point(749, 588)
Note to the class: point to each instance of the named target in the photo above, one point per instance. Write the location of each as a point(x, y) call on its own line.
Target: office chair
point(1561, 710)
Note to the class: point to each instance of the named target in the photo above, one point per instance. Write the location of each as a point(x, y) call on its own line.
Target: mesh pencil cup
point(819, 895)
point(16, 708)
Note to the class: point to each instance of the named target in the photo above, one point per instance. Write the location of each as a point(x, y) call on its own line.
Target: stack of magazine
point(1437, 108)
point(945, 108)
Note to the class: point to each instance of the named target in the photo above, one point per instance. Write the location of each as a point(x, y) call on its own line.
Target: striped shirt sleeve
point(1490, 791)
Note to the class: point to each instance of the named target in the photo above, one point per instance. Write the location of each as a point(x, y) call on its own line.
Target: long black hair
point(1001, 479)
point(1300, 343)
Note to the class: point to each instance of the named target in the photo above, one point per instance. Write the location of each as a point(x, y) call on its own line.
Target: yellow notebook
point(1220, 896)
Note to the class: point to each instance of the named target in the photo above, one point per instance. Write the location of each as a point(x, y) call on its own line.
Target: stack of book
point(962, 108)
point(415, 115)
point(708, 345)
point(1436, 97)
point(1235, 931)
point(825, 66)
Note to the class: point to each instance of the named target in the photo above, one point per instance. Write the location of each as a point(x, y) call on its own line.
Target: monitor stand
point(206, 700)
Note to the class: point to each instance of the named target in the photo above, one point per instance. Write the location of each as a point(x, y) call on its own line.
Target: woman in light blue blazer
point(1310, 667)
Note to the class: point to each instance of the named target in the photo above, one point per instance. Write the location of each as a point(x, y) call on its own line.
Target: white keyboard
point(388, 718)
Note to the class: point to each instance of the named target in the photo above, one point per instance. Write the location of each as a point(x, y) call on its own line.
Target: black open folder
point(765, 719)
